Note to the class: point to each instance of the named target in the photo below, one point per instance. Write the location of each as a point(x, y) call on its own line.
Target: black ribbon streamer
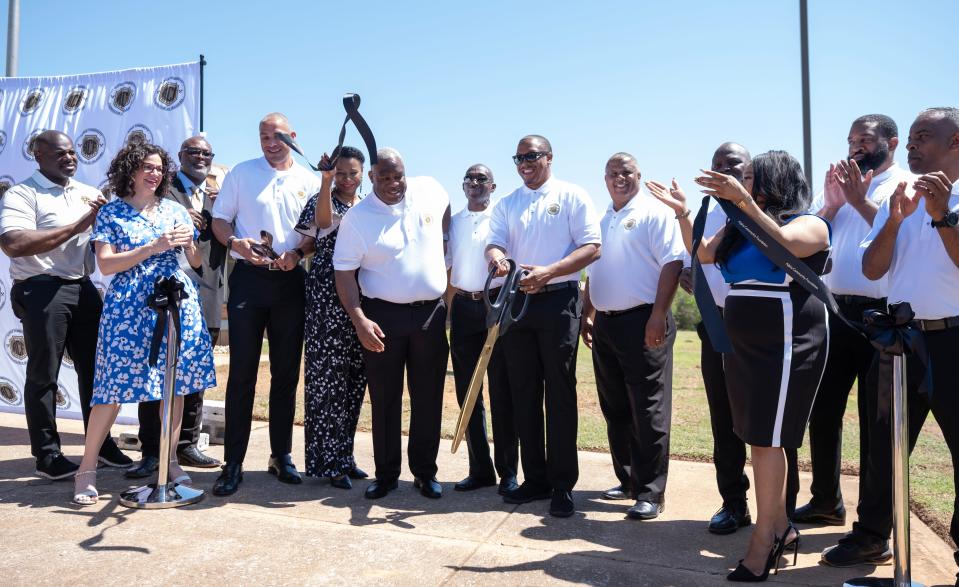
point(165, 300)
point(712, 319)
point(351, 103)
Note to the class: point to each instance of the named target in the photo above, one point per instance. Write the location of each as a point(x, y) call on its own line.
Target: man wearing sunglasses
point(549, 227)
point(194, 187)
point(468, 236)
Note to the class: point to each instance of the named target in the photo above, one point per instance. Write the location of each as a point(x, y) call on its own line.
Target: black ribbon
point(165, 300)
point(712, 319)
point(893, 333)
point(351, 103)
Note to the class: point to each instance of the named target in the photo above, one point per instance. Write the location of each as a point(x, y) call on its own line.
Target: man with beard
point(195, 187)
point(549, 227)
point(390, 248)
point(468, 237)
point(45, 225)
point(254, 215)
point(914, 243)
point(854, 190)
point(629, 291)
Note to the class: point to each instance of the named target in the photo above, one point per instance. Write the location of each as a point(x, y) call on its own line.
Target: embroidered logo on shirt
point(139, 133)
point(92, 144)
point(301, 194)
point(32, 101)
point(552, 209)
point(9, 394)
point(121, 97)
point(75, 100)
point(15, 346)
point(170, 93)
point(630, 224)
point(427, 218)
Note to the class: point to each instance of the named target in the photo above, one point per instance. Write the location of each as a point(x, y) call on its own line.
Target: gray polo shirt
point(39, 204)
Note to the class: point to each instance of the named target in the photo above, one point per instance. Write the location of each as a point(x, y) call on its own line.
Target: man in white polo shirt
point(468, 237)
point(628, 324)
point(45, 230)
point(855, 188)
point(550, 228)
point(914, 242)
point(390, 250)
point(259, 203)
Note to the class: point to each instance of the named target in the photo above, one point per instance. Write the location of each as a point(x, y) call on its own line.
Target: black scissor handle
point(501, 310)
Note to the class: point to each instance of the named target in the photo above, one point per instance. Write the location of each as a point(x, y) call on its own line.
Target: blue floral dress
point(123, 373)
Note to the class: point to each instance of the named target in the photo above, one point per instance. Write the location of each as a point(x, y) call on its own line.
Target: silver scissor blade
point(476, 383)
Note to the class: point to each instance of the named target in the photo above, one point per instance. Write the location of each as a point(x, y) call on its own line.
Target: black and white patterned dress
point(334, 380)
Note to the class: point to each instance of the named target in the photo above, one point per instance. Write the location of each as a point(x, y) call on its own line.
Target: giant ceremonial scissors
point(500, 316)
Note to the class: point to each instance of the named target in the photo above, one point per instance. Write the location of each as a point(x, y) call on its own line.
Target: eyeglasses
point(150, 168)
point(479, 179)
point(529, 157)
point(197, 151)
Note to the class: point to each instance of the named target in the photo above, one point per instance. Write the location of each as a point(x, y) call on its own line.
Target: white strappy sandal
point(88, 496)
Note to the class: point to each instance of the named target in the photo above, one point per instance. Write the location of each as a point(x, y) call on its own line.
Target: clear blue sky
point(454, 83)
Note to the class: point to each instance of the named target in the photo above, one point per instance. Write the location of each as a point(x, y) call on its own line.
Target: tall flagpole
point(13, 38)
point(806, 113)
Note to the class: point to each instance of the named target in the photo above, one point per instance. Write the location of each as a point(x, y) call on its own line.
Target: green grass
point(932, 488)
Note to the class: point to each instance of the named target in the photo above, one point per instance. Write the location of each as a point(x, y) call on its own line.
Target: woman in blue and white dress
point(138, 237)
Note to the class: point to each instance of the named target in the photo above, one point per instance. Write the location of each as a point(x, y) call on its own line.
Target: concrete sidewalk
point(275, 534)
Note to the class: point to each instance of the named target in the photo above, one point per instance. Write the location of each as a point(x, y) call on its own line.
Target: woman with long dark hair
point(777, 329)
point(334, 378)
point(137, 237)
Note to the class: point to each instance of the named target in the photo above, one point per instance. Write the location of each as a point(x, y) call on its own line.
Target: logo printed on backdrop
point(67, 359)
point(122, 96)
point(90, 145)
point(170, 93)
point(139, 133)
point(3, 294)
point(28, 144)
point(63, 398)
point(32, 101)
point(15, 346)
point(9, 394)
point(104, 188)
point(3, 140)
point(75, 100)
point(6, 182)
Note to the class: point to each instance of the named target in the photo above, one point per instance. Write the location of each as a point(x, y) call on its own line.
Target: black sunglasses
point(480, 179)
point(529, 157)
point(198, 151)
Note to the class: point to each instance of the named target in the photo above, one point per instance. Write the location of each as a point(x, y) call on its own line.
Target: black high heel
point(793, 544)
point(743, 575)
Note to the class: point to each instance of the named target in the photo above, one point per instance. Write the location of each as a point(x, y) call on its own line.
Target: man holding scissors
point(550, 228)
point(627, 323)
point(468, 237)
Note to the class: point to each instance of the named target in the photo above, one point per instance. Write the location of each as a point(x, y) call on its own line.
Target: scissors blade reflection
point(476, 384)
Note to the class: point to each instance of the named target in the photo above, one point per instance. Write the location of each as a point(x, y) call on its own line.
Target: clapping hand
point(722, 186)
point(901, 204)
point(936, 189)
point(852, 182)
point(833, 197)
point(672, 197)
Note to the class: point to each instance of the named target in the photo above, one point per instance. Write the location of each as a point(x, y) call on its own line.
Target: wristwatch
point(299, 252)
point(948, 221)
point(229, 243)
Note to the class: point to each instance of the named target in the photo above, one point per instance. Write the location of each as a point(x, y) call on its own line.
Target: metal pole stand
point(900, 486)
point(164, 493)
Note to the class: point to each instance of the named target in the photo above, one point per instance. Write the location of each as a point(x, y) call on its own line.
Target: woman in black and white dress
point(334, 378)
point(777, 329)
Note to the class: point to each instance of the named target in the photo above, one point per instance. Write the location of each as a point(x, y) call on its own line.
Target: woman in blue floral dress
point(138, 237)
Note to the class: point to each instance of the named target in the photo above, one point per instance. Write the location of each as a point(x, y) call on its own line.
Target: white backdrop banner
point(100, 111)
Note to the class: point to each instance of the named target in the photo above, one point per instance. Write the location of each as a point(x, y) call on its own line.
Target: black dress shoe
point(229, 480)
point(616, 493)
point(284, 470)
point(357, 473)
point(729, 519)
point(112, 456)
point(854, 549)
point(191, 456)
point(561, 505)
point(471, 483)
point(378, 489)
point(506, 485)
point(526, 493)
point(56, 467)
point(145, 468)
point(342, 483)
point(808, 514)
point(430, 488)
point(645, 510)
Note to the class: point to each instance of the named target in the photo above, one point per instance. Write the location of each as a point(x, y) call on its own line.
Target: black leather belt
point(270, 267)
point(557, 286)
point(933, 325)
point(611, 313)
point(476, 295)
point(415, 304)
point(851, 300)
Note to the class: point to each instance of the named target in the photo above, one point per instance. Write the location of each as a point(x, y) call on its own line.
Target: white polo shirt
point(849, 228)
point(921, 271)
point(466, 254)
point(39, 204)
point(638, 240)
point(255, 196)
point(715, 219)
point(540, 227)
point(398, 249)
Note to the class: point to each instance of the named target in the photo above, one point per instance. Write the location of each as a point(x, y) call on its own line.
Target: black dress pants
point(260, 300)
point(849, 360)
point(635, 385)
point(148, 414)
point(56, 314)
point(415, 342)
point(540, 353)
point(729, 451)
point(875, 494)
point(467, 336)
